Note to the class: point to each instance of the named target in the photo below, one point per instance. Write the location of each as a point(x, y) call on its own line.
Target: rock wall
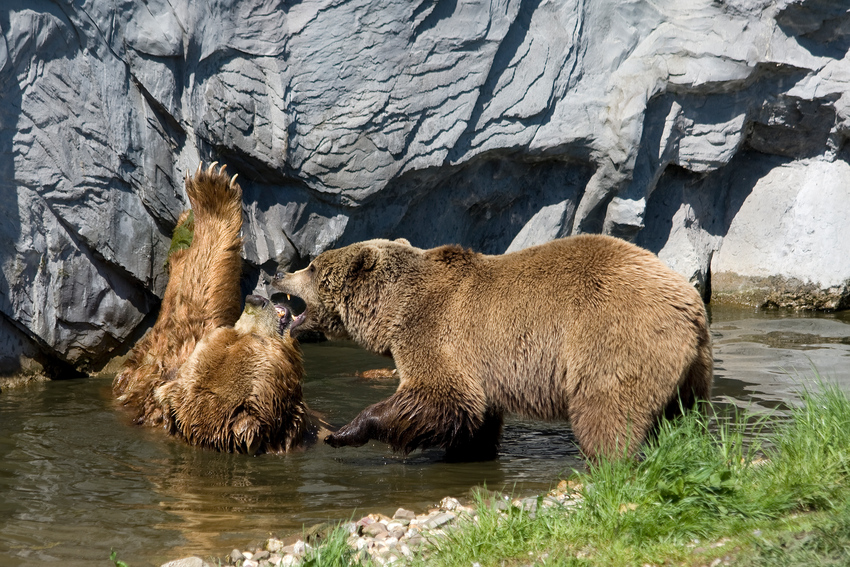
point(714, 134)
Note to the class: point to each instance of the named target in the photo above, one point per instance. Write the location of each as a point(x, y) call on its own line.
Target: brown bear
point(590, 329)
point(203, 372)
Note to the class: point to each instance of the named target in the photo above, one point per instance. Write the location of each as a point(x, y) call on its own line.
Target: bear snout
point(293, 284)
point(283, 282)
point(256, 301)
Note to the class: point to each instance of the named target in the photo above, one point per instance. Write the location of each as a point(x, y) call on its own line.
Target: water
point(77, 480)
point(762, 359)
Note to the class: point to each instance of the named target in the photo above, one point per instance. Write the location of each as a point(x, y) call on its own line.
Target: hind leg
point(696, 384)
point(605, 425)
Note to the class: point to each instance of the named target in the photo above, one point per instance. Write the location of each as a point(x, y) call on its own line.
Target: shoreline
point(380, 538)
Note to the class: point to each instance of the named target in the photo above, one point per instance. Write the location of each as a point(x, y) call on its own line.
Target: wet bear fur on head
point(203, 372)
point(590, 329)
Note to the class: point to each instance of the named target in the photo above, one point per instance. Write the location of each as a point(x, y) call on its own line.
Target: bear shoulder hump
point(452, 255)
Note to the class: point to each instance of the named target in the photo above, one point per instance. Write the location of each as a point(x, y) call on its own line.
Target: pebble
point(188, 562)
point(300, 548)
point(401, 515)
point(396, 525)
point(384, 540)
point(374, 529)
point(437, 520)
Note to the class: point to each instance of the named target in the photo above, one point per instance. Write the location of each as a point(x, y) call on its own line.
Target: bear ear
point(365, 260)
point(404, 241)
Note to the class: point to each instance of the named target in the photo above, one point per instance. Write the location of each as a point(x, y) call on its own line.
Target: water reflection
point(77, 480)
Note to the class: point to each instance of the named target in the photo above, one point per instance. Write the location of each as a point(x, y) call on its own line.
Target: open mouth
point(287, 322)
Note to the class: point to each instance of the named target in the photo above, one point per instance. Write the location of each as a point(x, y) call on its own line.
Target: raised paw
point(212, 189)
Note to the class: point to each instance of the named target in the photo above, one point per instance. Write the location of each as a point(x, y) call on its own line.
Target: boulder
point(715, 134)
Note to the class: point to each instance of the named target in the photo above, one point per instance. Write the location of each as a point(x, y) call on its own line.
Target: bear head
point(343, 289)
point(266, 319)
point(240, 389)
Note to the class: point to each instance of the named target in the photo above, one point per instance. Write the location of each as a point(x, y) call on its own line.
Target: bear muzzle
point(288, 321)
point(290, 285)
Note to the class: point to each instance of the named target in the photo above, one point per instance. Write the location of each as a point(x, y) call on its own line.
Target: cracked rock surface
point(714, 134)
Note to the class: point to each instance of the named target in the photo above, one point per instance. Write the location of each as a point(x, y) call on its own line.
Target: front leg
point(371, 423)
point(413, 418)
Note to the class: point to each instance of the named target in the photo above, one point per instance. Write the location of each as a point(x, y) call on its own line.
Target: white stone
point(300, 548)
point(545, 225)
point(793, 224)
point(187, 562)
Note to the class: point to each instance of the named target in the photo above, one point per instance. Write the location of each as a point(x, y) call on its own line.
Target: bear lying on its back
point(205, 373)
point(589, 328)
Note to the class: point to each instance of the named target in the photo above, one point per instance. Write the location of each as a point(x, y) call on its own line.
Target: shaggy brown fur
point(215, 384)
point(590, 328)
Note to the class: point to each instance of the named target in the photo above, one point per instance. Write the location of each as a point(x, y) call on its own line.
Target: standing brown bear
point(590, 329)
point(203, 372)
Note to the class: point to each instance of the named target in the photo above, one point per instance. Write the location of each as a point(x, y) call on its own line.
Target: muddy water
point(76, 480)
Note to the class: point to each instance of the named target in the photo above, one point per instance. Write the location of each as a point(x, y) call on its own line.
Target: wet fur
point(194, 373)
point(589, 329)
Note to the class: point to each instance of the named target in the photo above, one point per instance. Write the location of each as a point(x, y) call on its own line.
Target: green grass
point(333, 552)
point(113, 557)
point(811, 539)
point(701, 492)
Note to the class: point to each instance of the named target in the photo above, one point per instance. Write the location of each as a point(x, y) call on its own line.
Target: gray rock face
point(713, 133)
